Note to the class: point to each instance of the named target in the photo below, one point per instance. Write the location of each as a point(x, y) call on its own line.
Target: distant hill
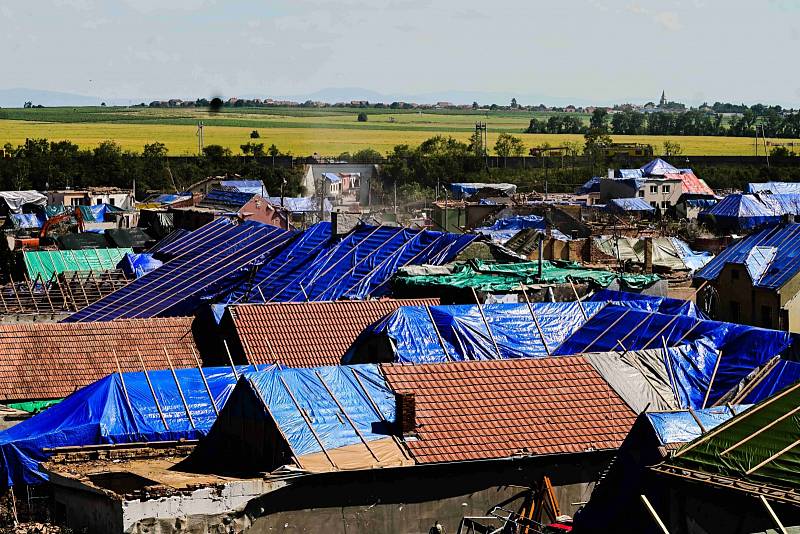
point(16, 98)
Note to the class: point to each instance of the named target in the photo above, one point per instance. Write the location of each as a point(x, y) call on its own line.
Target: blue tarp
point(744, 211)
point(138, 265)
point(332, 177)
point(773, 187)
point(310, 392)
point(631, 173)
point(692, 259)
point(681, 426)
point(785, 373)
point(358, 265)
point(255, 187)
point(466, 189)
point(100, 414)
point(464, 333)
point(98, 213)
point(647, 302)
point(302, 204)
point(167, 199)
point(694, 346)
point(658, 167)
point(785, 263)
point(221, 198)
point(630, 204)
point(205, 265)
point(591, 186)
point(701, 202)
point(504, 229)
point(26, 221)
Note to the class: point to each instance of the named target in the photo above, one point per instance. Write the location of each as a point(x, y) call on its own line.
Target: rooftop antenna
point(200, 138)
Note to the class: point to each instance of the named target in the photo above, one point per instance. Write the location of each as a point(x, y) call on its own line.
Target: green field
point(300, 131)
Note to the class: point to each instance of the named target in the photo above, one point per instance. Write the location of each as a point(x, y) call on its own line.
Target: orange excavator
point(52, 227)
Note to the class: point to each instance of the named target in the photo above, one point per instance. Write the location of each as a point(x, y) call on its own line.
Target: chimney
point(541, 257)
point(406, 412)
point(610, 174)
point(334, 224)
point(648, 254)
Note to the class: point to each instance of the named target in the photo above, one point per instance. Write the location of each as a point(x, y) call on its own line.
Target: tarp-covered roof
point(669, 252)
point(758, 446)
point(357, 265)
point(680, 426)
point(255, 187)
point(487, 276)
point(16, 199)
point(324, 418)
point(26, 221)
point(504, 229)
point(773, 187)
point(415, 339)
point(46, 263)
point(224, 199)
point(630, 204)
point(114, 410)
point(648, 302)
point(205, 264)
point(747, 211)
point(302, 204)
point(138, 265)
point(783, 240)
point(98, 212)
point(466, 189)
point(658, 167)
point(695, 345)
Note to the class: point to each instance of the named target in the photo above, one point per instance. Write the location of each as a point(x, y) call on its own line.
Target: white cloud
point(150, 6)
point(669, 20)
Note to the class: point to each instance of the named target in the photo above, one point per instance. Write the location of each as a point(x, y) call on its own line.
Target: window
point(653, 189)
point(99, 201)
point(734, 312)
point(664, 204)
point(112, 201)
point(734, 274)
point(665, 188)
point(654, 203)
point(75, 202)
point(766, 317)
point(641, 193)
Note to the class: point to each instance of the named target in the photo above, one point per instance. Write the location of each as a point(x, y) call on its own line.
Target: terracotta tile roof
point(51, 360)
point(495, 409)
point(307, 334)
point(691, 183)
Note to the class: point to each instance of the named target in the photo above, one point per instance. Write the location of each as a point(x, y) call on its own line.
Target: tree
point(509, 145)
point(672, 149)
point(254, 134)
point(514, 103)
point(28, 104)
point(273, 150)
point(367, 155)
point(216, 152)
point(256, 149)
point(599, 120)
point(595, 141)
point(475, 105)
point(362, 117)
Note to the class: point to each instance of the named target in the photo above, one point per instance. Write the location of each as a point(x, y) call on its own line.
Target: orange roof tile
point(52, 360)
point(307, 334)
point(478, 410)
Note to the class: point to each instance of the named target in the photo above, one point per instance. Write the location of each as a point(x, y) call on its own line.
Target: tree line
point(766, 121)
point(41, 164)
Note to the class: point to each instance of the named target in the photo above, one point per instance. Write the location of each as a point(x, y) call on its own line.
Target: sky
point(584, 52)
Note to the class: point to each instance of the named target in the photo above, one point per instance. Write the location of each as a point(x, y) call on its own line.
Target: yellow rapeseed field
point(182, 139)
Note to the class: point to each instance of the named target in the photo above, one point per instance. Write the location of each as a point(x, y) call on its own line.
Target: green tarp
point(49, 262)
point(34, 406)
point(485, 276)
point(759, 445)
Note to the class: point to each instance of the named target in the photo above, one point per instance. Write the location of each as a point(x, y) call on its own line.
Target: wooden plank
point(152, 390)
point(486, 323)
point(205, 382)
point(711, 381)
point(772, 514)
point(439, 335)
point(180, 390)
point(536, 321)
point(654, 515)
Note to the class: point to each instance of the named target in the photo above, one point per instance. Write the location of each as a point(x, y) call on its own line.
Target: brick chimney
point(648, 254)
point(406, 412)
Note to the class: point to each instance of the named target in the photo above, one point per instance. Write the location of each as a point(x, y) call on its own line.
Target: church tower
point(663, 101)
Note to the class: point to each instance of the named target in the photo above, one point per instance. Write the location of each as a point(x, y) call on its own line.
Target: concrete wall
point(666, 191)
point(411, 500)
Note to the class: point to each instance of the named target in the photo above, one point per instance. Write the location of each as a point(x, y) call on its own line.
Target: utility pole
point(200, 138)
